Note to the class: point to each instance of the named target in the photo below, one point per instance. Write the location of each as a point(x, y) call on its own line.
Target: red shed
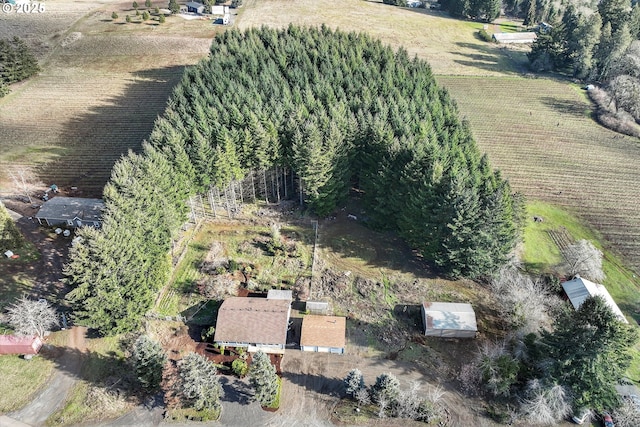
point(12, 344)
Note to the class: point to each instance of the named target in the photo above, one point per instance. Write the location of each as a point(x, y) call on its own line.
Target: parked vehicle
point(607, 420)
point(581, 416)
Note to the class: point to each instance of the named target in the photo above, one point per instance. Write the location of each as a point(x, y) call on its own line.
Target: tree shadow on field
point(567, 107)
point(490, 57)
point(96, 139)
point(107, 371)
point(354, 246)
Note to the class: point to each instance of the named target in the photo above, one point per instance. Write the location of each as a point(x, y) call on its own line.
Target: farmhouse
point(71, 212)
point(579, 289)
point(195, 7)
point(27, 346)
point(323, 334)
point(254, 323)
point(514, 38)
point(449, 320)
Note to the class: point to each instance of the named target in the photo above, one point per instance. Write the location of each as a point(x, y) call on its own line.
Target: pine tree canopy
point(339, 110)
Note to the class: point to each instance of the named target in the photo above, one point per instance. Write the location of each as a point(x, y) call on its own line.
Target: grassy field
point(450, 45)
point(21, 379)
point(551, 150)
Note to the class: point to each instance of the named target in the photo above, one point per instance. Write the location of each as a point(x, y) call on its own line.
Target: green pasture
point(541, 255)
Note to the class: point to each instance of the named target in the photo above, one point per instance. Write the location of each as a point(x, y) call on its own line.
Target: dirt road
point(312, 386)
point(50, 398)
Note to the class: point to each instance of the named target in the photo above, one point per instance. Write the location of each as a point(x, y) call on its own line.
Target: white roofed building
point(579, 289)
point(449, 320)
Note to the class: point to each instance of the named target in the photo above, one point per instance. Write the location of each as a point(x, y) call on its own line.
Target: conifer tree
point(200, 386)
point(263, 378)
point(148, 360)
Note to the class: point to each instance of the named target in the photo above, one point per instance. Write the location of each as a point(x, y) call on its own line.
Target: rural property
point(181, 286)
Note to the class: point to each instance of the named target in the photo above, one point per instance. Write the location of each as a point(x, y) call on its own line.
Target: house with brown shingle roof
point(325, 334)
point(254, 323)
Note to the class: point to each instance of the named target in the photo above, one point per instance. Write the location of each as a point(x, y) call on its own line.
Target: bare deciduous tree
point(24, 180)
point(628, 414)
point(30, 317)
point(526, 304)
point(362, 396)
point(545, 404)
point(584, 259)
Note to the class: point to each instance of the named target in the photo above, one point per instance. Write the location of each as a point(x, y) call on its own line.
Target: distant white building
point(579, 289)
point(219, 10)
point(515, 38)
point(449, 320)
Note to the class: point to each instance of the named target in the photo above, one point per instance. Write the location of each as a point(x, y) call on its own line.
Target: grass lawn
point(21, 379)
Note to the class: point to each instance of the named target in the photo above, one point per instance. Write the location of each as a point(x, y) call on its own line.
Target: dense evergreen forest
point(319, 112)
point(17, 63)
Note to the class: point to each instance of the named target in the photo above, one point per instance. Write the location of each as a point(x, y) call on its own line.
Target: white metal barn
point(449, 320)
point(579, 289)
point(323, 334)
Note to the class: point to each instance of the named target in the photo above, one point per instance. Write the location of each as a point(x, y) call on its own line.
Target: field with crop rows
point(548, 146)
point(102, 86)
point(103, 83)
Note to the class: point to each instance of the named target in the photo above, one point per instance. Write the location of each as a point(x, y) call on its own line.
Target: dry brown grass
point(448, 44)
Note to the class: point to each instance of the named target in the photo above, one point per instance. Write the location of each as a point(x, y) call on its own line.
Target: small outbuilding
point(449, 320)
point(323, 334)
point(13, 344)
point(317, 307)
point(71, 212)
point(283, 294)
point(579, 289)
point(515, 38)
point(219, 9)
point(195, 7)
